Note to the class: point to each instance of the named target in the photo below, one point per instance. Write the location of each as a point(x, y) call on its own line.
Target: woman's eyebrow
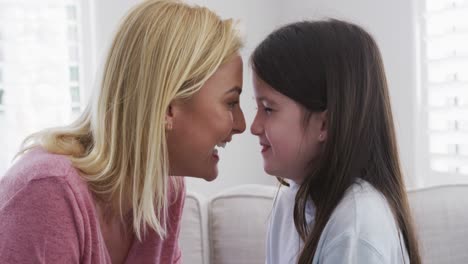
point(235, 89)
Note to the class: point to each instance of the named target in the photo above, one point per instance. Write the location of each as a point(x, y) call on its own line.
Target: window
point(445, 85)
point(41, 56)
point(74, 76)
point(1, 98)
point(2, 58)
point(2, 91)
point(75, 94)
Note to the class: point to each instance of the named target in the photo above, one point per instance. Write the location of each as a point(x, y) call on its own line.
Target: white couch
point(231, 227)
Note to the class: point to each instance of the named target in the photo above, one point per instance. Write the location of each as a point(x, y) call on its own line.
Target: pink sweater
point(47, 215)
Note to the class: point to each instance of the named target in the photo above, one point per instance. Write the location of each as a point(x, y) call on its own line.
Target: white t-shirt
point(361, 230)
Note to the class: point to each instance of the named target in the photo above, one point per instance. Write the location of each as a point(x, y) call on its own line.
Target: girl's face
point(205, 121)
point(288, 148)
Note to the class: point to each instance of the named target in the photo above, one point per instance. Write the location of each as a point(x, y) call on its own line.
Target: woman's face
point(206, 121)
point(287, 146)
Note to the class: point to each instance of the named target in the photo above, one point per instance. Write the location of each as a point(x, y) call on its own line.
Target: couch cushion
point(237, 222)
point(441, 219)
point(193, 233)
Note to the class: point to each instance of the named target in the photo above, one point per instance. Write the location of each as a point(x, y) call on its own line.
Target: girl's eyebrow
point(265, 99)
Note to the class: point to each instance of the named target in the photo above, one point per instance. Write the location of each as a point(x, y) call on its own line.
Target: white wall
point(107, 16)
point(391, 23)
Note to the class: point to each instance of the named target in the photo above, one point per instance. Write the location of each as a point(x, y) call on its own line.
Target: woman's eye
point(233, 104)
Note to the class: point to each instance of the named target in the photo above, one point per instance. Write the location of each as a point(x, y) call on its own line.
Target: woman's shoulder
point(42, 214)
point(38, 165)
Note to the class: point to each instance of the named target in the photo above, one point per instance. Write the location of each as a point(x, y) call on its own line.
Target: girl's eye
point(267, 110)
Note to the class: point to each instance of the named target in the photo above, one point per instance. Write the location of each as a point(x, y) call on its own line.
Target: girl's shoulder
point(365, 217)
point(284, 199)
point(362, 209)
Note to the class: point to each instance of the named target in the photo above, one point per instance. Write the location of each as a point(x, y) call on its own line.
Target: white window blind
point(2, 58)
point(40, 69)
point(445, 59)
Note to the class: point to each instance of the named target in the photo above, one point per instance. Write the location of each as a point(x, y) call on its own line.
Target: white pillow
point(237, 224)
point(193, 234)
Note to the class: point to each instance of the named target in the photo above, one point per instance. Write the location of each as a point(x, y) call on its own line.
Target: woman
point(98, 190)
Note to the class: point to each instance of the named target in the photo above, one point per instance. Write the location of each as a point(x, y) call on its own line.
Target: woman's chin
point(208, 176)
point(209, 179)
point(211, 176)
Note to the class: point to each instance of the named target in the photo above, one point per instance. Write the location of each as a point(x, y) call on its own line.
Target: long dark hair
point(336, 66)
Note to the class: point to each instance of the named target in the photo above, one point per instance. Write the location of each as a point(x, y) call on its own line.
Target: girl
point(325, 125)
point(98, 190)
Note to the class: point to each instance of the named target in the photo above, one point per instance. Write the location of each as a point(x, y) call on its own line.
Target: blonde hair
point(163, 51)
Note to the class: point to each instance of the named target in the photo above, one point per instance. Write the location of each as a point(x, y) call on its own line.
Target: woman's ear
point(323, 119)
point(176, 113)
point(169, 118)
